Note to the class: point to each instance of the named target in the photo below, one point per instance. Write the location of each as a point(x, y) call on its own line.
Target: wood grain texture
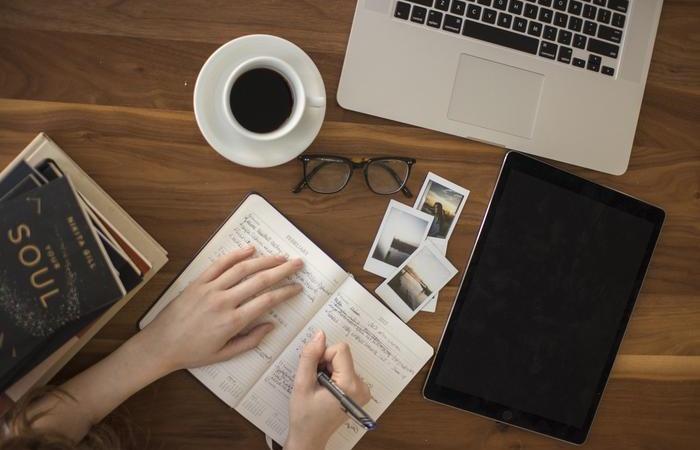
point(112, 81)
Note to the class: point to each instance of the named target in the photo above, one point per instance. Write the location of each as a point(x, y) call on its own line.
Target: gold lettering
point(23, 253)
point(21, 229)
point(46, 296)
point(35, 276)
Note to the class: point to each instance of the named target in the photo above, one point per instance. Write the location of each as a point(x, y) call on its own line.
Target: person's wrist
point(153, 358)
point(305, 441)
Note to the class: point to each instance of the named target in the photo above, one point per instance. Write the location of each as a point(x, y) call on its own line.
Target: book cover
point(53, 270)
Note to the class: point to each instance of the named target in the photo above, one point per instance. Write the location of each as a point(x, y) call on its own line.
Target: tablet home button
point(507, 415)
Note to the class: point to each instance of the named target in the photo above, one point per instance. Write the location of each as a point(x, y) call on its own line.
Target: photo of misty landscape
point(401, 236)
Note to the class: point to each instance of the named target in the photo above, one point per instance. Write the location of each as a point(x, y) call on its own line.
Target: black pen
point(351, 408)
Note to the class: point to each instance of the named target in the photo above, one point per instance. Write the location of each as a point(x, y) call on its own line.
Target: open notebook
point(258, 384)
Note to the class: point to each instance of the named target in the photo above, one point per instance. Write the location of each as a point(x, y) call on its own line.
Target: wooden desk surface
point(111, 82)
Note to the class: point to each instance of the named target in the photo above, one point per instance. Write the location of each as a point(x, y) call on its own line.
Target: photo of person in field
point(442, 203)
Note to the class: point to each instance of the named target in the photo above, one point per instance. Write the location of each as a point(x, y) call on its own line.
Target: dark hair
point(18, 433)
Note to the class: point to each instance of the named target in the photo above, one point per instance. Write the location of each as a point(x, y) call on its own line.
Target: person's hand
point(210, 320)
point(314, 414)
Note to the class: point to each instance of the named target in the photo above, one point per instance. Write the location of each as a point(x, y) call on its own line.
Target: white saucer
point(211, 117)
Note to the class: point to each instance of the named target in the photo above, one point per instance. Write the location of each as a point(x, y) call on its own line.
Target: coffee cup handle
point(316, 102)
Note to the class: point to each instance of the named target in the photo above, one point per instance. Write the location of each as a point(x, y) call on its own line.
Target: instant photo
point(416, 281)
point(443, 200)
point(402, 231)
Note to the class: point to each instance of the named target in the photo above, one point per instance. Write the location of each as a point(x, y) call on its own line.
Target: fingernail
point(298, 262)
point(248, 248)
point(318, 336)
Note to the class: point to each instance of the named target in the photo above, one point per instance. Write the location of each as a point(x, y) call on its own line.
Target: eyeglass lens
point(327, 176)
point(386, 176)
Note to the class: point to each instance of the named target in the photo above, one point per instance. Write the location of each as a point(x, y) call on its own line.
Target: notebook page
point(386, 352)
point(257, 222)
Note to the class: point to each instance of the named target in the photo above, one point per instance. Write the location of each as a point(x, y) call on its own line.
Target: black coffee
point(261, 100)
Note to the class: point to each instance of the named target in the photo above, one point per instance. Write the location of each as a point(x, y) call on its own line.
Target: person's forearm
point(100, 389)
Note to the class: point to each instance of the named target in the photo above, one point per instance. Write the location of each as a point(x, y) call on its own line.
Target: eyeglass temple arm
point(407, 192)
point(303, 183)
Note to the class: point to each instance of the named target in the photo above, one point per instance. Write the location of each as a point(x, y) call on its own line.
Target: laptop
point(561, 79)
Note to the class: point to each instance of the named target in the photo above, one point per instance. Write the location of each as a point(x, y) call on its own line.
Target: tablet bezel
point(503, 413)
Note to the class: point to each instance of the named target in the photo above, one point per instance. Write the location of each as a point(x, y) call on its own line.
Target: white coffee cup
point(301, 100)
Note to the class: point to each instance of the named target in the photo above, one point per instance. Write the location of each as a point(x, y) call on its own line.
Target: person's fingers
point(311, 354)
point(224, 262)
point(261, 304)
point(265, 279)
point(245, 342)
point(233, 275)
point(339, 360)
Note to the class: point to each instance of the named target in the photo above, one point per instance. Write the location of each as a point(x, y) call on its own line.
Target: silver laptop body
point(514, 73)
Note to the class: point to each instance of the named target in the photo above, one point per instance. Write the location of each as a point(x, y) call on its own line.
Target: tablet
point(544, 301)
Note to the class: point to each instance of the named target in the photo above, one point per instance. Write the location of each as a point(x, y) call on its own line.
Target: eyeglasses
point(326, 174)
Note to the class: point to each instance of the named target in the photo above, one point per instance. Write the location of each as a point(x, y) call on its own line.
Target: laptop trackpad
point(495, 96)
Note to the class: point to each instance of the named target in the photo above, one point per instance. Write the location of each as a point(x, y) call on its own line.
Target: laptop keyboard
point(582, 33)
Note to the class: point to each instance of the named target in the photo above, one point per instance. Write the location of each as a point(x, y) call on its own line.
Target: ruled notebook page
point(257, 222)
point(386, 352)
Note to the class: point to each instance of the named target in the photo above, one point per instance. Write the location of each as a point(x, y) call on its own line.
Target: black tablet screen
point(542, 309)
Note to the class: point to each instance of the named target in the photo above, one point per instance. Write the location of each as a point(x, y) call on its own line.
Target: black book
point(53, 272)
point(128, 274)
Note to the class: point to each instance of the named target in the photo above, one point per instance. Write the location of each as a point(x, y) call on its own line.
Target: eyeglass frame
point(353, 165)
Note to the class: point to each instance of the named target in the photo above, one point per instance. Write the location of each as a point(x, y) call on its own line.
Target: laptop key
point(484, 2)
point(534, 29)
point(452, 23)
point(575, 23)
point(403, 10)
point(560, 5)
point(474, 12)
point(602, 48)
point(604, 15)
point(548, 50)
point(550, 33)
point(575, 7)
point(618, 5)
point(546, 15)
point(618, 20)
point(590, 28)
point(505, 20)
point(489, 15)
point(442, 5)
point(500, 36)
point(599, 2)
point(610, 34)
point(500, 4)
point(418, 14)
point(565, 54)
point(434, 18)
point(545, 2)
point(579, 41)
point(458, 7)
point(593, 63)
point(578, 62)
point(515, 7)
point(530, 11)
point(520, 24)
point(608, 71)
point(564, 37)
point(560, 19)
point(589, 11)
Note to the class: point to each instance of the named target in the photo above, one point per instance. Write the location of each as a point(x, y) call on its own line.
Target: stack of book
point(70, 259)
